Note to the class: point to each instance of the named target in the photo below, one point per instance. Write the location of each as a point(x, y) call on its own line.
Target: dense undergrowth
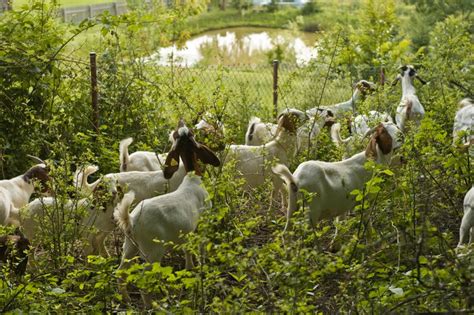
point(394, 252)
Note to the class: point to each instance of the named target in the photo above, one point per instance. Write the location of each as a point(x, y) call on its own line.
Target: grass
point(65, 3)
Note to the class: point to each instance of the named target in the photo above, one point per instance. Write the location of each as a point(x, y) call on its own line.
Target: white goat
point(409, 107)
point(360, 126)
point(16, 192)
point(166, 218)
point(464, 123)
point(97, 222)
point(253, 163)
point(467, 223)
point(259, 133)
point(333, 182)
point(362, 87)
point(139, 160)
point(80, 180)
point(211, 132)
point(146, 184)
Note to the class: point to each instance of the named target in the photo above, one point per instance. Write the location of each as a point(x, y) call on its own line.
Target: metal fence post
point(94, 91)
point(275, 87)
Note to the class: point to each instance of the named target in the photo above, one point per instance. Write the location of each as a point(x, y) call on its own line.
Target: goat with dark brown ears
point(16, 192)
point(409, 107)
point(155, 222)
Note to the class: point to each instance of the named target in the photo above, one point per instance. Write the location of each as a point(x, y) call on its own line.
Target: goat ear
point(371, 150)
point(420, 79)
point(384, 140)
point(205, 155)
point(171, 164)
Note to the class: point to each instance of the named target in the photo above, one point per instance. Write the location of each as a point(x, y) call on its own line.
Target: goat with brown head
point(189, 150)
point(157, 221)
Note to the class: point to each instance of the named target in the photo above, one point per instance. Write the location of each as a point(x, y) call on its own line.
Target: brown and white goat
point(253, 163)
point(333, 182)
point(157, 221)
point(16, 192)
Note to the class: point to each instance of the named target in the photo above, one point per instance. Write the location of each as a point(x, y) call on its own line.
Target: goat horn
point(36, 158)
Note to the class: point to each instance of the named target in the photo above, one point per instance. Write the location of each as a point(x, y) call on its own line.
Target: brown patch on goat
point(289, 121)
point(190, 151)
point(382, 138)
point(40, 173)
point(409, 109)
point(213, 137)
point(251, 131)
point(13, 250)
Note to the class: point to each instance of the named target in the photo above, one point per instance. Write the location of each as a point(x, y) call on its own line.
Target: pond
point(240, 46)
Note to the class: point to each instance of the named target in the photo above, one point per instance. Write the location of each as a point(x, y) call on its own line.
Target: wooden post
point(275, 88)
point(94, 92)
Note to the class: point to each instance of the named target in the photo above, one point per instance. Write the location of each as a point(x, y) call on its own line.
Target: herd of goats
point(168, 196)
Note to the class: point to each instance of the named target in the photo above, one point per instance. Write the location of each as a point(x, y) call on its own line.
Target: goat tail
point(123, 153)
point(284, 173)
point(121, 214)
point(251, 129)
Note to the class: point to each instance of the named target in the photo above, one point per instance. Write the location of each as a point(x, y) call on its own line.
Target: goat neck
point(407, 85)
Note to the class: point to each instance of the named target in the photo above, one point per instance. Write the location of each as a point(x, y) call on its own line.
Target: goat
point(139, 160)
point(467, 223)
point(409, 107)
point(259, 133)
point(362, 87)
point(13, 250)
point(333, 182)
point(80, 180)
point(16, 192)
point(97, 221)
point(360, 126)
point(253, 162)
point(211, 133)
point(146, 184)
point(166, 218)
point(464, 123)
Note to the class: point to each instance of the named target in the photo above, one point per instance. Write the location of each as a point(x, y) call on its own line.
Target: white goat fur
point(409, 107)
point(14, 194)
point(464, 122)
point(97, 223)
point(333, 182)
point(139, 160)
point(467, 224)
point(146, 184)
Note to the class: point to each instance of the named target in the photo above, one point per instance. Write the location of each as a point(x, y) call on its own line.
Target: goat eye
point(412, 72)
point(404, 68)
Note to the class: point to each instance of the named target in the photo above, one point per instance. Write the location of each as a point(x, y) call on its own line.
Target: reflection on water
point(241, 45)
